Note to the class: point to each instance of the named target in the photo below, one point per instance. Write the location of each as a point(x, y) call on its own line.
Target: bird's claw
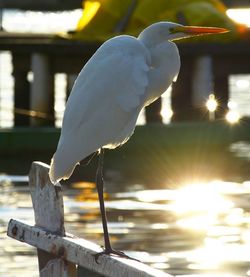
point(112, 252)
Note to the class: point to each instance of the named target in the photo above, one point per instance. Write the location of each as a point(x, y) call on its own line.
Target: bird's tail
point(60, 168)
point(68, 156)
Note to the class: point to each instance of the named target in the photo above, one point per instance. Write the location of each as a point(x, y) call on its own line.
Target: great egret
point(123, 76)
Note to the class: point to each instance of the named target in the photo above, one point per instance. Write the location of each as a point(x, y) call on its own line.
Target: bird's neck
point(160, 51)
point(165, 65)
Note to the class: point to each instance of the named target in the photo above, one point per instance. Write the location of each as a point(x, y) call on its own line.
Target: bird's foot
point(112, 252)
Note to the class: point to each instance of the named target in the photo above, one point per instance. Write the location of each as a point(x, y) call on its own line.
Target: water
point(199, 229)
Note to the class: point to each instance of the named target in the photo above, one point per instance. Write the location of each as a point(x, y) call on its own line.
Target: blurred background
point(178, 192)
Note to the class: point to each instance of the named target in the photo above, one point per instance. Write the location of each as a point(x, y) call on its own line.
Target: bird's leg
point(88, 159)
point(99, 184)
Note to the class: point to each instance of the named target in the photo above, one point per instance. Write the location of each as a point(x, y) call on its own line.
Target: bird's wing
point(135, 82)
point(104, 103)
point(118, 72)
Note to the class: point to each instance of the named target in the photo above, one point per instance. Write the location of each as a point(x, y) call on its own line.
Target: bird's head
point(162, 31)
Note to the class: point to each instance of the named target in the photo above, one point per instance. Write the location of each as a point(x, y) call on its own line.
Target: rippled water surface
point(199, 229)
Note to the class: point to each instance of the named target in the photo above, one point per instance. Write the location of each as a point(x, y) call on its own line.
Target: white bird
point(123, 76)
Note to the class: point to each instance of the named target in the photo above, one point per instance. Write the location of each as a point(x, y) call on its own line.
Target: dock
point(46, 55)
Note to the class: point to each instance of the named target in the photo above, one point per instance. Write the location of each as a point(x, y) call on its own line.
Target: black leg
point(88, 159)
point(99, 184)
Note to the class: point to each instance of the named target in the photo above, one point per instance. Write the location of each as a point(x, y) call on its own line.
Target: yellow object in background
point(90, 9)
point(100, 18)
point(103, 19)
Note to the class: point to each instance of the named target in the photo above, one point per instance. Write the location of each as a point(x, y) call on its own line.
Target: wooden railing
point(62, 254)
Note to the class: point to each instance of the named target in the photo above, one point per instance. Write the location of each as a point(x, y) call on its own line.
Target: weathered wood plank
point(47, 202)
point(80, 251)
point(47, 199)
point(55, 267)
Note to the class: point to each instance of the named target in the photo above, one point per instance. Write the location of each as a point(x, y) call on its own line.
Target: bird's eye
point(173, 30)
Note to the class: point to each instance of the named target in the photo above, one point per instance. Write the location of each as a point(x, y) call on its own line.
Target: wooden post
point(235, 65)
point(21, 87)
point(202, 81)
point(47, 202)
point(70, 82)
point(153, 112)
point(42, 98)
point(181, 97)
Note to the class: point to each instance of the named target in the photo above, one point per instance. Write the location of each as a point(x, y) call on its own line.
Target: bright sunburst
point(201, 197)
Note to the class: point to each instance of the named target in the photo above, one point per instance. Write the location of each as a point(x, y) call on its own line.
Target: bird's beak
point(197, 31)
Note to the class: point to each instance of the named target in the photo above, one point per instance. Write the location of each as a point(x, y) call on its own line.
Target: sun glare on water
point(208, 209)
point(203, 203)
point(201, 197)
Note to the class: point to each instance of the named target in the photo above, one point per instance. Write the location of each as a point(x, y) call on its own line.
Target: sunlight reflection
point(246, 237)
point(202, 203)
point(211, 103)
point(202, 222)
point(208, 257)
point(201, 229)
point(146, 257)
point(215, 253)
point(160, 265)
point(201, 197)
point(154, 195)
point(157, 226)
point(232, 116)
point(167, 113)
point(243, 84)
point(220, 231)
point(235, 217)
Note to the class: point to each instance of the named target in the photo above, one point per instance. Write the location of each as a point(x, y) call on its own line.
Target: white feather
point(113, 80)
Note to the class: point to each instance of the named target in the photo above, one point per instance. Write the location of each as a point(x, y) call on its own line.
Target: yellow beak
point(196, 31)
